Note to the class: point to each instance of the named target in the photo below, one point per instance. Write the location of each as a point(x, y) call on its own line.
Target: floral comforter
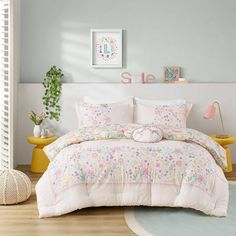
point(104, 166)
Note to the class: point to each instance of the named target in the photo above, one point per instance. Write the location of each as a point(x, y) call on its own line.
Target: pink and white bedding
point(104, 166)
point(97, 114)
point(172, 113)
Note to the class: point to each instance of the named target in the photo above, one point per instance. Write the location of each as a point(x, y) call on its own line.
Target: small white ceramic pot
point(37, 131)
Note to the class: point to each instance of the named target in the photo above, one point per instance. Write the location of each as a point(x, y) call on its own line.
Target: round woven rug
point(165, 221)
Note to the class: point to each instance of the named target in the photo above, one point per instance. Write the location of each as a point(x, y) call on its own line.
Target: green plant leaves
point(53, 88)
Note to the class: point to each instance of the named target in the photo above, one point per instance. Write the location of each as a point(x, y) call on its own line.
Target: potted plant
point(37, 120)
point(53, 87)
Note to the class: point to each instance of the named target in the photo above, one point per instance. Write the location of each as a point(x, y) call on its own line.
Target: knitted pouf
point(15, 187)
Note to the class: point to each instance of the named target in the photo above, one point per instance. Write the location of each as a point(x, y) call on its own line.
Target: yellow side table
point(224, 142)
point(40, 161)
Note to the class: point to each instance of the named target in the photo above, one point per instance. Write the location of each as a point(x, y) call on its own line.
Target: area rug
point(164, 221)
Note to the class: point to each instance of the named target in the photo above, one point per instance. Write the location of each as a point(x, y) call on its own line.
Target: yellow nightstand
point(224, 143)
point(40, 161)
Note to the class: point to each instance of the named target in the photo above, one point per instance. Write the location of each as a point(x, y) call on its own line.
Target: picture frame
point(106, 48)
point(171, 74)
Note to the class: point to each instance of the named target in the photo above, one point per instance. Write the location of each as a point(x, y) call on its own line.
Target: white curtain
point(6, 90)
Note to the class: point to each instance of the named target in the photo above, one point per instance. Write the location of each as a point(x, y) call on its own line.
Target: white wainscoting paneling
point(30, 98)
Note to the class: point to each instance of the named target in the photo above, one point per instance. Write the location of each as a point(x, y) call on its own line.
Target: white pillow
point(171, 113)
point(160, 102)
point(148, 134)
point(91, 114)
point(106, 100)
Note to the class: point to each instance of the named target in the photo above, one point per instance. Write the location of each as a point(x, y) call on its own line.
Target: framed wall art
point(171, 73)
point(106, 48)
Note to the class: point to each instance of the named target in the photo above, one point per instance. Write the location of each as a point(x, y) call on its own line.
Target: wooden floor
point(22, 219)
point(232, 175)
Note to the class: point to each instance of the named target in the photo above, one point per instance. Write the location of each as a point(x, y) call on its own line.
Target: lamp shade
point(210, 114)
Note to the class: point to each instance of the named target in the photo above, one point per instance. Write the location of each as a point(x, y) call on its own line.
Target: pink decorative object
point(127, 78)
point(138, 78)
point(142, 78)
point(210, 114)
point(150, 78)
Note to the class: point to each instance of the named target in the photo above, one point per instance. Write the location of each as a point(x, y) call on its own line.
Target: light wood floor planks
point(232, 175)
point(22, 219)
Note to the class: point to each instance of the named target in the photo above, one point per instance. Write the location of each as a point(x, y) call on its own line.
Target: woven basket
point(15, 187)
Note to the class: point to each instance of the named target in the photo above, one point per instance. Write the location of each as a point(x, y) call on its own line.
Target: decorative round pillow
point(15, 187)
point(148, 134)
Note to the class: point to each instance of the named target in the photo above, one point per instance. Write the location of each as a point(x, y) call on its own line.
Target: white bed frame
point(30, 98)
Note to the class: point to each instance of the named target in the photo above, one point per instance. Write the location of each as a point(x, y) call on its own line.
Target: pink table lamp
point(210, 114)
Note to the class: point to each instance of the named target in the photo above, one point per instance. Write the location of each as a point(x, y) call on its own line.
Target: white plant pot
point(37, 131)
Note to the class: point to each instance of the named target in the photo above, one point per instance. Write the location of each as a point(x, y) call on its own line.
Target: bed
point(104, 164)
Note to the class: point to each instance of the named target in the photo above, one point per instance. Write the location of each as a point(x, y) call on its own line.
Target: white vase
point(37, 131)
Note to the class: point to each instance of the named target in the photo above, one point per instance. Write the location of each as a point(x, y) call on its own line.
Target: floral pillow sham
point(90, 114)
point(171, 113)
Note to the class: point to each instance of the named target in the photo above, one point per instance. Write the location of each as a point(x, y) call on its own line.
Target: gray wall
point(198, 35)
